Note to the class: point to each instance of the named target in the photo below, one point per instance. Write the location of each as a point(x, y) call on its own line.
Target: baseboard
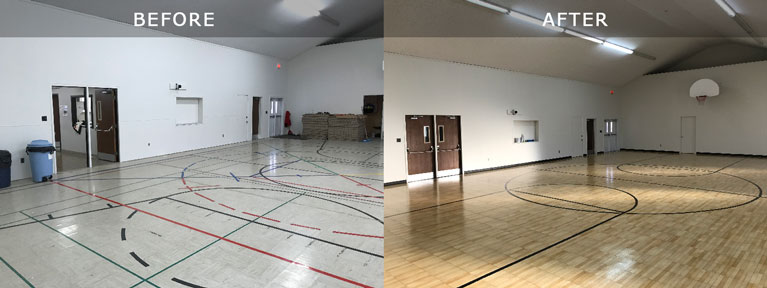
point(731, 154)
point(395, 183)
point(516, 165)
point(647, 150)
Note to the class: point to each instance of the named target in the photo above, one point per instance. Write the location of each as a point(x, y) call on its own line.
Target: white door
point(275, 117)
point(688, 135)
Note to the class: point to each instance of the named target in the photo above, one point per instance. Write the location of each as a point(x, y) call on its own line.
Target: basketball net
point(701, 99)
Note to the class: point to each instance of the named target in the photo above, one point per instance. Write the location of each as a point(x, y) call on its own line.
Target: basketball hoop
point(702, 89)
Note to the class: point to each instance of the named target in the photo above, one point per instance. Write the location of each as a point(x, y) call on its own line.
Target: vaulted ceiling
point(262, 26)
point(668, 30)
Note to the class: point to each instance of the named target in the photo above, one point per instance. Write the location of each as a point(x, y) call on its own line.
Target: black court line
point(277, 228)
point(569, 201)
point(50, 216)
point(707, 172)
point(182, 282)
point(636, 202)
point(139, 259)
point(122, 233)
point(132, 213)
point(2, 226)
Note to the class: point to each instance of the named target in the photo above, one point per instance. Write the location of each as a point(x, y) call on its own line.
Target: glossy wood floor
point(624, 219)
point(267, 213)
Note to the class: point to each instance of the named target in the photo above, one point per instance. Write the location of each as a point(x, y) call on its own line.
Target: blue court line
point(235, 177)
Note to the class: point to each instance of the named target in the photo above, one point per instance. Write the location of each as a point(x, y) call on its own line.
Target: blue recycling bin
point(5, 168)
point(41, 160)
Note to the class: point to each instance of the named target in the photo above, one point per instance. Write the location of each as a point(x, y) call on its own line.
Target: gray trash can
point(41, 160)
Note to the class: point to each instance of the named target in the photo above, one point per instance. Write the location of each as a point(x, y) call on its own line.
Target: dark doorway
point(105, 118)
point(590, 136)
point(373, 108)
point(56, 120)
point(256, 115)
point(448, 138)
point(420, 145)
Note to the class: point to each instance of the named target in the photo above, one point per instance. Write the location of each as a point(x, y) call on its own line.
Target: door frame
point(89, 118)
point(695, 135)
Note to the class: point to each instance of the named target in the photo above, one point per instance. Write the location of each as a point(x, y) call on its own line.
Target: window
point(525, 131)
point(188, 111)
point(610, 126)
point(426, 134)
point(441, 133)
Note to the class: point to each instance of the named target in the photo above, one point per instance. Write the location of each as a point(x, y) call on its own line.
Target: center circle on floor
point(577, 197)
point(663, 170)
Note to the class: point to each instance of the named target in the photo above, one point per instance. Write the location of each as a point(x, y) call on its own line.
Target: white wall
point(733, 122)
point(334, 78)
point(141, 69)
point(481, 97)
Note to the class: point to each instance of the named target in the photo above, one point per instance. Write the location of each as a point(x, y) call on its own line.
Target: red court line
point(227, 206)
point(203, 196)
point(354, 234)
point(317, 187)
point(259, 216)
point(315, 228)
point(355, 181)
point(197, 187)
point(221, 238)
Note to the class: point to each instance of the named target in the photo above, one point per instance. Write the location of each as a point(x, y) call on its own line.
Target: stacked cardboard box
point(346, 127)
point(315, 126)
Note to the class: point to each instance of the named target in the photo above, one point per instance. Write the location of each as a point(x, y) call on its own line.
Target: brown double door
point(433, 147)
point(106, 124)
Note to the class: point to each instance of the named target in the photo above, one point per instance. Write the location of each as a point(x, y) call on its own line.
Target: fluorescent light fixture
point(584, 36)
point(489, 6)
point(726, 8)
point(301, 8)
point(533, 20)
point(619, 48)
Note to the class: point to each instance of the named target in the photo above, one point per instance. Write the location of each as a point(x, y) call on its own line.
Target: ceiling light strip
point(726, 7)
point(539, 22)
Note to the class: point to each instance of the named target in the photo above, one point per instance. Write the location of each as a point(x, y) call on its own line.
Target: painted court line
point(309, 227)
point(218, 237)
point(17, 272)
point(262, 217)
point(355, 234)
point(86, 247)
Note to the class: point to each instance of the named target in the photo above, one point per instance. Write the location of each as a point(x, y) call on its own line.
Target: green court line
point(214, 242)
point(17, 273)
point(89, 249)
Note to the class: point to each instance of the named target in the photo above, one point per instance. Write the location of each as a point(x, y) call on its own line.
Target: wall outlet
point(399, 140)
point(222, 135)
point(22, 160)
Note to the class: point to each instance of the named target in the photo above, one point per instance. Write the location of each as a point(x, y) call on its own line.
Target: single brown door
point(590, 136)
point(448, 142)
point(56, 120)
point(106, 124)
point(420, 145)
point(256, 108)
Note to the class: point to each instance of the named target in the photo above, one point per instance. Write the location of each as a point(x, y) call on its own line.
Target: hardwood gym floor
point(623, 219)
point(267, 213)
